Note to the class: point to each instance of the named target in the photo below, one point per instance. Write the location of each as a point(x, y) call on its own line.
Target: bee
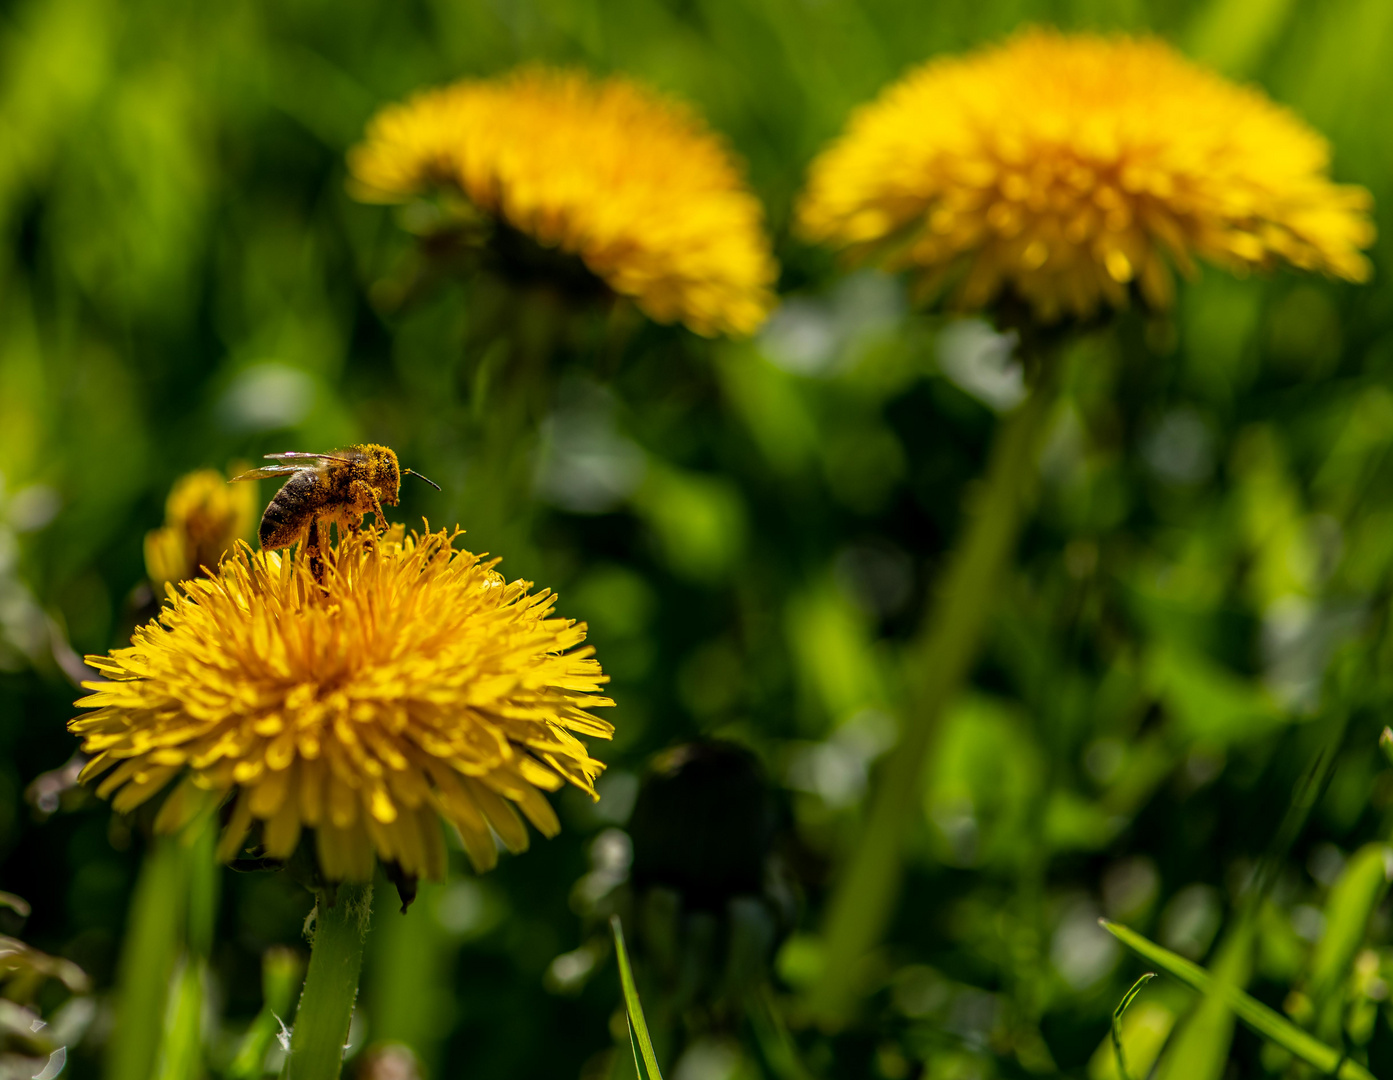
point(323, 489)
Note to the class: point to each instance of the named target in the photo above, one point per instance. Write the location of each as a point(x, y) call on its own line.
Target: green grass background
point(1197, 611)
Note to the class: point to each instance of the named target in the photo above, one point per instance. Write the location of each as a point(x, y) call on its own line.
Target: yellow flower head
point(203, 517)
point(1067, 168)
point(633, 183)
point(414, 684)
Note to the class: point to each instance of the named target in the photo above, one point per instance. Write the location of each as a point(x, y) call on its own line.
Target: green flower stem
point(331, 984)
point(154, 928)
point(511, 393)
point(181, 1049)
point(409, 988)
point(282, 972)
point(169, 934)
point(941, 658)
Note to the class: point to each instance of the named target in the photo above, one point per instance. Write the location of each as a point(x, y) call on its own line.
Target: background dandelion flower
point(633, 183)
point(203, 517)
point(416, 684)
point(1068, 168)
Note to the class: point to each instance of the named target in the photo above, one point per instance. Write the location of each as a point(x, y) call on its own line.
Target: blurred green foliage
point(1197, 614)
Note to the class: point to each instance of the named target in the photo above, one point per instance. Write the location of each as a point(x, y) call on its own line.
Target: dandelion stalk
point(942, 656)
point(181, 1052)
point(331, 984)
point(148, 956)
point(511, 393)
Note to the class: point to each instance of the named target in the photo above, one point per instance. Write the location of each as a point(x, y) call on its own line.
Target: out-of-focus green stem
point(408, 978)
point(863, 899)
point(181, 1048)
point(511, 394)
point(153, 931)
point(204, 877)
point(282, 971)
point(331, 984)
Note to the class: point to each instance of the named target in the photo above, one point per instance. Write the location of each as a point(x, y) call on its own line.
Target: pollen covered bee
point(322, 489)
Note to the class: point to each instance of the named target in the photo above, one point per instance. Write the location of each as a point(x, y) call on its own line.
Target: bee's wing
point(297, 455)
point(266, 473)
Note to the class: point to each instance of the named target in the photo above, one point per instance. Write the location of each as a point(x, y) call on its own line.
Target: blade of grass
point(638, 1056)
point(774, 1039)
point(1308, 792)
point(638, 1027)
point(1266, 1022)
point(1200, 1046)
point(1352, 901)
point(1122, 1005)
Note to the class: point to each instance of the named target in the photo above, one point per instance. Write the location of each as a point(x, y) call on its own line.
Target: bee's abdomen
point(289, 512)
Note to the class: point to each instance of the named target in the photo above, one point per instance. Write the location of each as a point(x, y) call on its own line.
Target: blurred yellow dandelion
point(633, 183)
point(415, 684)
point(203, 517)
point(1068, 168)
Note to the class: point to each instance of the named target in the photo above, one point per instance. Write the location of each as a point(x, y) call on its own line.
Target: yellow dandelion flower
point(1066, 169)
point(633, 183)
point(203, 517)
point(414, 684)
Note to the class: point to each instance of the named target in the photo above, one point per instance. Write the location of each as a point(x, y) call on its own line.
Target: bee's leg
point(313, 548)
point(365, 496)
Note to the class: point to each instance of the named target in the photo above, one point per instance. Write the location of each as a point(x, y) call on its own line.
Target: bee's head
point(384, 474)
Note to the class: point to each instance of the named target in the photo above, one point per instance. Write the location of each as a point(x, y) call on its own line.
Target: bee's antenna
point(413, 472)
